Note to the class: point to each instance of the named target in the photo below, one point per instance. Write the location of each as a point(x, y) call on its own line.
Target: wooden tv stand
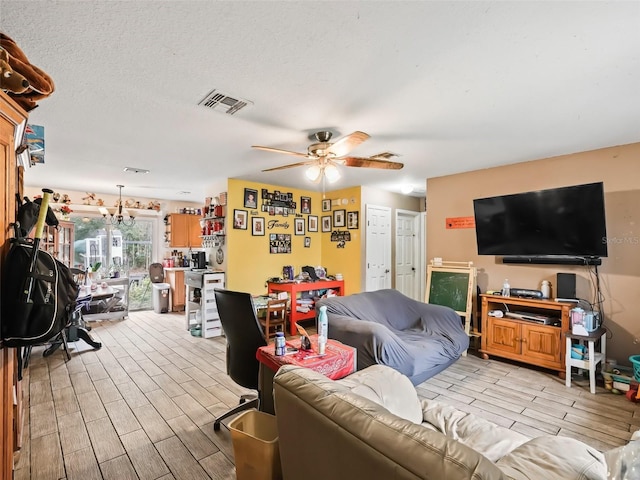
point(522, 340)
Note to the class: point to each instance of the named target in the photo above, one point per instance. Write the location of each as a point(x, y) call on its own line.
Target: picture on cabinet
point(240, 219)
point(313, 223)
point(305, 204)
point(299, 224)
point(250, 198)
point(326, 205)
point(326, 223)
point(257, 226)
point(352, 220)
point(338, 218)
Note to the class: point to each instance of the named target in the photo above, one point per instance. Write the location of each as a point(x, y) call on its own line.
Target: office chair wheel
point(216, 426)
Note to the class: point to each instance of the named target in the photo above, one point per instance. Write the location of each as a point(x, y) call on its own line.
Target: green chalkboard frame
point(452, 287)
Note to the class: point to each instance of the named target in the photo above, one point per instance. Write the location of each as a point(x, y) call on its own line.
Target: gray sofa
point(372, 425)
point(388, 328)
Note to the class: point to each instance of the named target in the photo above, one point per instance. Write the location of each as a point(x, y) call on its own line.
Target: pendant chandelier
point(117, 217)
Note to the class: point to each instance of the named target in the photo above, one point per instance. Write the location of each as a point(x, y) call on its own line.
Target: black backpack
point(53, 297)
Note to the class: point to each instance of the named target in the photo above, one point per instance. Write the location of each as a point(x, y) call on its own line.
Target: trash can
point(161, 297)
point(255, 446)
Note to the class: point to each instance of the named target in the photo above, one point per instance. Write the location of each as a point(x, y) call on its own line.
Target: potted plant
point(93, 272)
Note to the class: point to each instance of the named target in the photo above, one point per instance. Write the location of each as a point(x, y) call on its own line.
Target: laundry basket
point(635, 361)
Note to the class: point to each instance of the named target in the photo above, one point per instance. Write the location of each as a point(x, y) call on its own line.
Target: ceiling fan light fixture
point(332, 173)
point(406, 189)
point(313, 173)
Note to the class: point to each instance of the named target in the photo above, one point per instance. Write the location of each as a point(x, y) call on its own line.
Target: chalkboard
point(450, 288)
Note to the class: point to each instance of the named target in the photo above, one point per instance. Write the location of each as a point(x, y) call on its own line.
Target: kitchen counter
point(175, 269)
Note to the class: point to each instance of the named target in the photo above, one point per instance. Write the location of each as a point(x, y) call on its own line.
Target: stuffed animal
point(9, 80)
point(40, 84)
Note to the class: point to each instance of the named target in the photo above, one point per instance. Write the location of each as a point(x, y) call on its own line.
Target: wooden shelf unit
point(522, 340)
point(293, 289)
point(59, 241)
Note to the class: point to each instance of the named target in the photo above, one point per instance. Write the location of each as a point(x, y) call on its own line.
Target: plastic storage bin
point(160, 297)
point(255, 446)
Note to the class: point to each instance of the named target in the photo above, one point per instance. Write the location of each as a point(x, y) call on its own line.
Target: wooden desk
point(293, 289)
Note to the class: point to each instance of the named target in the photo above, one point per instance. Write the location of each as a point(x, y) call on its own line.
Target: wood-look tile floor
point(143, 406)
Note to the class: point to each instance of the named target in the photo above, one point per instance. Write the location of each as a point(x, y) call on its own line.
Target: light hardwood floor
point(143, 406)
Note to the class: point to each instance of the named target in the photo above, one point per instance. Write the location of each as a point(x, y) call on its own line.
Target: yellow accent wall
point(249, 261)
point(344, 259)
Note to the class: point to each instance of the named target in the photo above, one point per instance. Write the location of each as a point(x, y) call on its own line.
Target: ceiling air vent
point(224, 103)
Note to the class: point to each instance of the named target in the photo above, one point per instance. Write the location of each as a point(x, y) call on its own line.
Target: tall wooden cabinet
point(59, 242)
point(524, 340)
point(184, 230)
point(12, 122)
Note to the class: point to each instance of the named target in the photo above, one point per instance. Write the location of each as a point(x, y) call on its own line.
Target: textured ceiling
point(449, 86)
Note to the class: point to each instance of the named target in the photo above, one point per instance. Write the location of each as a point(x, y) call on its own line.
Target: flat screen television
point(559, 222)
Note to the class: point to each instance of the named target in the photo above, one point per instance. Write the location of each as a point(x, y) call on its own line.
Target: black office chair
point(244, 337)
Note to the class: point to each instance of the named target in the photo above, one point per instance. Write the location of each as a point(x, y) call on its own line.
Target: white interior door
point(407, 253)
point(378, 248)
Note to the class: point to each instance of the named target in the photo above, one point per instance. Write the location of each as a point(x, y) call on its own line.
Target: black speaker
point(566, 285)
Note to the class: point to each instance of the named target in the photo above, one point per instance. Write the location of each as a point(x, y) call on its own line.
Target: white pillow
point(389, 388)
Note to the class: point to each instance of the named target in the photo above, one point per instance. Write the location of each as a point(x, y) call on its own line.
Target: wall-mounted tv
point(563, 222)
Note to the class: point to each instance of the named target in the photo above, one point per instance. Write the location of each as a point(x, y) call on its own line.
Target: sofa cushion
point(388, 388)
point(554, 458)
point(485, 437)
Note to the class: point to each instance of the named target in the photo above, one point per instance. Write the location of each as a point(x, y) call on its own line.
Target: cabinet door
point(195, 230)
point(179, 236)
point(541, 343)
point(178, 293)
point(503, 336)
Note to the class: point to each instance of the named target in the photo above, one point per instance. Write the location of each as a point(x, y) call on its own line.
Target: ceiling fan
point(323, 157)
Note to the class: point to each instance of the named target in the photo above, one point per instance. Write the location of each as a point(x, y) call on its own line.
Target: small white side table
point(594, 357)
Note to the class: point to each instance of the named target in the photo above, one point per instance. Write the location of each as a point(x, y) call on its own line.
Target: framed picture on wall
point(257, 226)
point(250, 198)
point(305, 204)
point(299, 226)
point(338, 218)
point(307, 242)
point(326, 223)
point(240, 219)
point(352, 220)
point(313, 223)
point(326, 205)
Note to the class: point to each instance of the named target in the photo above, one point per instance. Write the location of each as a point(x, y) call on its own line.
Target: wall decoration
point(250, 198)
point(240, 219)
point(299, 226)
point(313, 223)
point(305, 204)
point(326, 223)
point(341, 237)
point(338, 218)
point(352, 220)
point(307, 242)
point(326, 205)
point(280, 243)
point(257, 226)
point(277, 199)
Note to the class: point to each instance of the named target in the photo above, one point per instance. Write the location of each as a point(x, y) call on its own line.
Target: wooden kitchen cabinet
point(175, 278)
point(523, 340)
point(184, 230)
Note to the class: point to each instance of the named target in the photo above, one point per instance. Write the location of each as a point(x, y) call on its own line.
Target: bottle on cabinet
point(545, 288)
point(506, 288)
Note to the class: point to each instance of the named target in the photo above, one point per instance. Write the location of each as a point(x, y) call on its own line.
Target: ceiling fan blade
point(278, 150)
point(291, 165)
point(370, 163)
point(348, 143)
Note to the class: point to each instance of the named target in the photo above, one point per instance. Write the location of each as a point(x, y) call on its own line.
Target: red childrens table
point(293, 289)
point(338, 362)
